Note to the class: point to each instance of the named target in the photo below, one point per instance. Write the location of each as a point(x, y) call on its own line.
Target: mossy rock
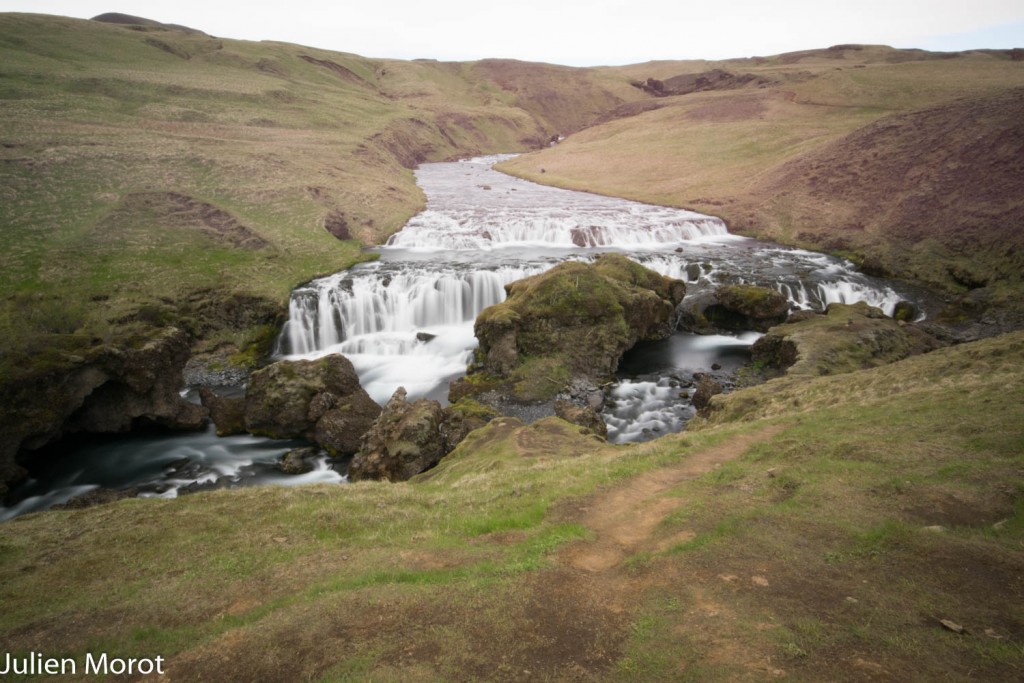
point(847, 337)
point(575, 319)
point(747, 307)
point(320, 400)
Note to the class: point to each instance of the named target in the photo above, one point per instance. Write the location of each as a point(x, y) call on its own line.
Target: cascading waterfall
point(644, 227)
point(383, 304)
point(407, 319)
point(810, 281)
point(400, 324)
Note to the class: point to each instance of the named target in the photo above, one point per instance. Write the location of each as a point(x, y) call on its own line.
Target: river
point(406, 319)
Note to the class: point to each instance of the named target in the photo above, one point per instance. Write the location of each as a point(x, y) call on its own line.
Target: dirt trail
point(624, 519)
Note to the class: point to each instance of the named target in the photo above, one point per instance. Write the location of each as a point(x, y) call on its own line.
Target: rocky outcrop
point(298, 460)
point(715, 79)
point(747, 307)
point(734, 308)
point(319, 400)
point(584, 416)
point(226, 413)
point(574, 320)
point(461, 418)
point(404, 441)
point(409, 438)
point(707, 386)
point(843, 339)
point(112, 390)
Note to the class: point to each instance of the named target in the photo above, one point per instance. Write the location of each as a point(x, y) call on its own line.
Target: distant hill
point(127, 19)
point(909, 162)
point(143, 161)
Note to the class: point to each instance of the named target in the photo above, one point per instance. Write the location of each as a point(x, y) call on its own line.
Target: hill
point(144, 165)
point(906, 161)
point(859, 526)
point(155, 176)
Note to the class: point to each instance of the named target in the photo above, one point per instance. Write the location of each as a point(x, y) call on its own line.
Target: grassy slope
point(102, 123)
point(818, 570)
point(805, 555)
point(783, 161)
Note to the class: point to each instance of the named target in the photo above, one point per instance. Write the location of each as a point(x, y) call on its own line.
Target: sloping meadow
point(855, 515)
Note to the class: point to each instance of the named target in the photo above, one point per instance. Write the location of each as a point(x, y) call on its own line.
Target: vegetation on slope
point(863, 525)
point(149, 173)
point(907, 161)
point(819, 528)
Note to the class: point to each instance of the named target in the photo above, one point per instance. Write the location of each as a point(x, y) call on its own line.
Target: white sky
point(596, 32)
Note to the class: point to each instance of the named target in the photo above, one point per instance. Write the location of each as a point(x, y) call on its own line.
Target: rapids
point(406, 319)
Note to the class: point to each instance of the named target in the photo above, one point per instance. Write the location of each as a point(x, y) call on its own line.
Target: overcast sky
point(596, 32)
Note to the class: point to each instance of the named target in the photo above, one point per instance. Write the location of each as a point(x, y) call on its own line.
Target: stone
point(584, 416)
point(298, 460)
point(318, 400)
point(402, 442)
point(460, 419)
point(747, 307)
point(707, 387)
point(848, 337)
point(108, 389)
point(906, 311)
point(227, 414)
point(575, 320)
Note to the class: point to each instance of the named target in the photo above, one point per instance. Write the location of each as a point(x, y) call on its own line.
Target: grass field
point(811, 530)
point(857, 526)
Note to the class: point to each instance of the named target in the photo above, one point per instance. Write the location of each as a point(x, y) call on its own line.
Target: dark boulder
point(584, 416)
point(707, 387)
point(747, 307)
point(907, 311)
point(404, 441)
point(460, 419)
point(319, 400)
point(227, 414)
point(298, 460)
point(108, 389)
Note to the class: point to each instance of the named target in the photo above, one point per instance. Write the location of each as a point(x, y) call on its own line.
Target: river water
point(406, 319)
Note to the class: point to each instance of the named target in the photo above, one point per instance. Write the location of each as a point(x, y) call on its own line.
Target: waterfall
point(843, 291)
point(810, 281)
point(640, 227)
point(379, 310)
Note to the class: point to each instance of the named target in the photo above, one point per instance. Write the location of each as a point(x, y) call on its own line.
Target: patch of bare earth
point(180, 211)
point(624, 519)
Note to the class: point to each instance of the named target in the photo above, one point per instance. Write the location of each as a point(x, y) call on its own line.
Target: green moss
point(540, 378)
point(468, 407)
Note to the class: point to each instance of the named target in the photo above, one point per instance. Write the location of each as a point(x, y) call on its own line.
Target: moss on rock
point(847, 337)
point(575, 319)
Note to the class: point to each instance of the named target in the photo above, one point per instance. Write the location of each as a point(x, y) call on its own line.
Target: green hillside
point(150, 173)
point(907, 161)
point(858, 525)
point(815, 529)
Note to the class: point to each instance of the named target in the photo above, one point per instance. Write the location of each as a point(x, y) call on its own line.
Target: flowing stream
point(406, 319)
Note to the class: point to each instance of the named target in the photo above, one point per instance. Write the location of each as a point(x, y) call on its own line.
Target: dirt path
point(624, 519)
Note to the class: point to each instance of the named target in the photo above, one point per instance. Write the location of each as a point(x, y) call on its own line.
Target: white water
point(656, 382)
point(163, 466)
point(472, 208)
point(407, 319)
point(399, 324)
